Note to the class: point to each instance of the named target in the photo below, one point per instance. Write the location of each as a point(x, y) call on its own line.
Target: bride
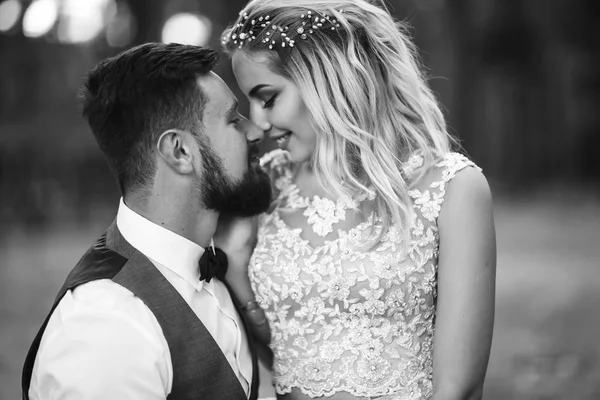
point(373, 274)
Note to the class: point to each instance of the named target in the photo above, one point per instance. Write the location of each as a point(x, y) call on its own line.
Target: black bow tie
point(213, 264)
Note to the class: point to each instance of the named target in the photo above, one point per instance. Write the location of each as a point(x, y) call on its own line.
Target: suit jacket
point(200, 369)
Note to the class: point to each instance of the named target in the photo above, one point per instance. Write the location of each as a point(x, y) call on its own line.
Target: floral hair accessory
point(247, 30)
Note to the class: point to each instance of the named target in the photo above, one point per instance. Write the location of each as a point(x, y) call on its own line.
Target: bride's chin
point(300, 157)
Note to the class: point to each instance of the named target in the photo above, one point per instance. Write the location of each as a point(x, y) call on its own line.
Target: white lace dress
point(344, 318)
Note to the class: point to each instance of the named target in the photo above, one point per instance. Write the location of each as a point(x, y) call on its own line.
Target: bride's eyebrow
point(254, 91)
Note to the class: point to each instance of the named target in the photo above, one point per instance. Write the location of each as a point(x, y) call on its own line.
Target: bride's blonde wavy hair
point(362, 83)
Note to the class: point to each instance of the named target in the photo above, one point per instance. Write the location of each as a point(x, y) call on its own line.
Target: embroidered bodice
point(344, 315)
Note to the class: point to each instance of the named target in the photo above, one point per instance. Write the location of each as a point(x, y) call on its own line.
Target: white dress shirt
point(102, 342)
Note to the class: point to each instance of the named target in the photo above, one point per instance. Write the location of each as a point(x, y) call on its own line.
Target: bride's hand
point(237, 238)
point(235, 235)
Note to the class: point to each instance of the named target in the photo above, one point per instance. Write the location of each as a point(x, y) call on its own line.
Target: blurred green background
point(520, 84)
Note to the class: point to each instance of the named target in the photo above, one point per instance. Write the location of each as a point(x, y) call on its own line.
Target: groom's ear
point(176, 148)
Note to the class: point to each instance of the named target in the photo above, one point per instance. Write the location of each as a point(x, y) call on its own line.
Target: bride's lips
point(281, 139)
point(280, 135)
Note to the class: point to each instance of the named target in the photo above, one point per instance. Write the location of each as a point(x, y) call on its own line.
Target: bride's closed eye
point(269, 103)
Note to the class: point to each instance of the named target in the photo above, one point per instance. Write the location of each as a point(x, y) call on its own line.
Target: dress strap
point(429, 201)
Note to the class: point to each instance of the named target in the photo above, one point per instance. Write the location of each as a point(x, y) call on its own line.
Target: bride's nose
point(259, 117)
point(254, 134)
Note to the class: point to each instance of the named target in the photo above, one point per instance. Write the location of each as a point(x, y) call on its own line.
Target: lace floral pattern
point(347, 319)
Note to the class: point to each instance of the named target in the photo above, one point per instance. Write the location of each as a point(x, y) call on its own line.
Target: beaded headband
point(245, 31)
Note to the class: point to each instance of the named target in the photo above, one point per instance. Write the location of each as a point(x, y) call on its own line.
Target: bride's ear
point(176, 148)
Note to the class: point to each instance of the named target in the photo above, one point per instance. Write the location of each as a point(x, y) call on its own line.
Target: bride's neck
point(306, 181)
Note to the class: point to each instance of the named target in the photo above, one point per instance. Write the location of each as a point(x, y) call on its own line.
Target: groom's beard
point(249, 196)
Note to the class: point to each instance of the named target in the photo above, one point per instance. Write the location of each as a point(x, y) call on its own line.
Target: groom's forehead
point(219, 97)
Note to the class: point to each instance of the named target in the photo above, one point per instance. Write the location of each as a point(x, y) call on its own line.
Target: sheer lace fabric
point(345, 318)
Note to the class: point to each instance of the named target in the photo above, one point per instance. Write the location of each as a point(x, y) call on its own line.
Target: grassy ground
point(548, 293)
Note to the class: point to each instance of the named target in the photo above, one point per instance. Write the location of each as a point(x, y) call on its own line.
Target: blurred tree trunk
point(463, 34)
point(222, 14)
point(149, 16)
point(499, 102)
point(580, 46)
point(41, 78)
point(12, 87)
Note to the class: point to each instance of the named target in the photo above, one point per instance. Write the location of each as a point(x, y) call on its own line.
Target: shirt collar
point(161, 245)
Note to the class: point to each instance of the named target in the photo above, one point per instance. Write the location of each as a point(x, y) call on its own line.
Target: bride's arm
point(466, 289)
point(237, 238)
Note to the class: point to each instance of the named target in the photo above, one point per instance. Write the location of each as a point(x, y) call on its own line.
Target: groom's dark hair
point(130, 99)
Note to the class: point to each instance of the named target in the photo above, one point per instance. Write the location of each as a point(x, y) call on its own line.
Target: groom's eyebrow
point(232, 109)
point(254, 91)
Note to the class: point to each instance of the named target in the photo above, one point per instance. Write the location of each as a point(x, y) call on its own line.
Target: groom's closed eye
point(233, 116)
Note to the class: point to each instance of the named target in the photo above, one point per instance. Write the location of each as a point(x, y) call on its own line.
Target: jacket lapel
point(251, 344)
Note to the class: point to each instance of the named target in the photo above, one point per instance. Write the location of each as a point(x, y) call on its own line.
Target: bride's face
point(276, 106)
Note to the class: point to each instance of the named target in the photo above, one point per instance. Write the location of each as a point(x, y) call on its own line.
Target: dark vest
point(200, 369)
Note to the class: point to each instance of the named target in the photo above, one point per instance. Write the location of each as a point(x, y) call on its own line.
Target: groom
point(145, 314)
